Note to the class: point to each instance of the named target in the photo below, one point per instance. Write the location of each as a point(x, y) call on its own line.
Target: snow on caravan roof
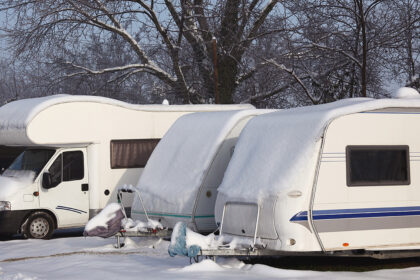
point(17, 114)
point(179, 163)
point(15, 117)
point(277, 152)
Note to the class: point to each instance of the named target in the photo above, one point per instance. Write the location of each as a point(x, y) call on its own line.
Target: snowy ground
point(96, 258)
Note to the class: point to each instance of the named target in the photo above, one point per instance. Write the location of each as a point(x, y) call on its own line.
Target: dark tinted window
point(67, 167)
point(55, 171)
point(8, 155)
point(73, 166)
point(131, 153)
point(377, 165)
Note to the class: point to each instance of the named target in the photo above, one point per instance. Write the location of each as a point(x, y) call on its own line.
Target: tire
point(39, 225)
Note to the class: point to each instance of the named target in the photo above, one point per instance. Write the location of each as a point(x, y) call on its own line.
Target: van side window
point(55, 171)
point(132, 153)
point(73, 168)
point(68, 166)
point(377, 165)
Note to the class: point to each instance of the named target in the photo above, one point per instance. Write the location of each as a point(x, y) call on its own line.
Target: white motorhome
point(339, 178)
point(80, 149)
point(180, 180)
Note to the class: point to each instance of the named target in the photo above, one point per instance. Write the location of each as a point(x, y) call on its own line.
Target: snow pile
point(179, 163)
point(75, 257)
point(406, 92)
point(277, 152)
point(212, 241)
point(139, 226)
point(203, 266)
point(186, 242)
point(203, 241)
point(13, 181)
point(106, 223)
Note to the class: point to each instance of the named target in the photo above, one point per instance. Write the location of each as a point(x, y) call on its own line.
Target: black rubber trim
point(10, 221)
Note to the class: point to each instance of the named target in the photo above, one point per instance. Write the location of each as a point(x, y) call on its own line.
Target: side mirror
point(46, 181)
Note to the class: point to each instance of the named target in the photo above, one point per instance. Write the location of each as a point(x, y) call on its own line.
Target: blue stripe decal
point(357, 213)
point(59, 207)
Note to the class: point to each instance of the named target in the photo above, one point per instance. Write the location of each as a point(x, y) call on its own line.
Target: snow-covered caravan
point(81, 148)
point(340, 178)
point(180, 180)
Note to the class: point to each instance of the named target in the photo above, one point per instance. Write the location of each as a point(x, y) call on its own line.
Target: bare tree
point(172, 41)
point(403, 54)
point(352, 33)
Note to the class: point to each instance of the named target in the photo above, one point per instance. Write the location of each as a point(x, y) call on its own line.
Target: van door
point(67, 195)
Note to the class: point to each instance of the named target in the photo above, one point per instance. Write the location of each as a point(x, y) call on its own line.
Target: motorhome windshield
point(30, 160)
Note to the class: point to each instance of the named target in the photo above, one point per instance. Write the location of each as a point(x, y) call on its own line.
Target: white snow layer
point(97, 259)
point(277, 152)
point(178, 165)
point(139, 226)
point(103, 217)
point(17, 114)
point(9, 185)
point(211, 241)
point(406, 92)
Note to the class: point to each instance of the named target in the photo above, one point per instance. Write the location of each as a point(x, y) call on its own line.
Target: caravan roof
point(282, 147)
point(179, 163)
point(64, 119)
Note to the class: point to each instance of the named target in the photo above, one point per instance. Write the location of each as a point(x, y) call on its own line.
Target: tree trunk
point(228, 70)
point(365, 48)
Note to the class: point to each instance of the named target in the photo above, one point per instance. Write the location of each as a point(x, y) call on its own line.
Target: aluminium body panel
point(366, 216)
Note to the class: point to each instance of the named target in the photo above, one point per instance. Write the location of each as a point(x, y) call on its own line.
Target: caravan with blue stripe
point(338, 178)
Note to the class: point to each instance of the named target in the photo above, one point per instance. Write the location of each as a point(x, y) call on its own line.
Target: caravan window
point(131, 153)
point(377, 165)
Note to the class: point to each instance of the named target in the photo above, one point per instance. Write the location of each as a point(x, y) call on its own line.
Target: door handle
point(85, 187)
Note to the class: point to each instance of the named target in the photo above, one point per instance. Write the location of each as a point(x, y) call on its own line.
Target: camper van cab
point(79, 149)
point(52, 190)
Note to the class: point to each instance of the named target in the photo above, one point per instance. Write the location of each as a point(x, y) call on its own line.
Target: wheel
point(39, 225)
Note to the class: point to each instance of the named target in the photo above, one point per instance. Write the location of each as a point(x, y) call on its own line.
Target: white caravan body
point(109, 140)
point(338, 177)
point(180, 180)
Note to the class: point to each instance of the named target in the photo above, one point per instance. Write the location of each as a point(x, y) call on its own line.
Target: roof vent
point(406, 92)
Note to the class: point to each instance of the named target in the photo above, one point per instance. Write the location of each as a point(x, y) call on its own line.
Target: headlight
point(5, 206)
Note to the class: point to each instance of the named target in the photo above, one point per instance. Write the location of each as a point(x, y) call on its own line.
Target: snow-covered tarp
point(176, 169)
point(277, 152)
point(112, 219)
point(107, 223)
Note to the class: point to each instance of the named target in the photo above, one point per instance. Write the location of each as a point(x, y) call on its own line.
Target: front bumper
point(10, 221)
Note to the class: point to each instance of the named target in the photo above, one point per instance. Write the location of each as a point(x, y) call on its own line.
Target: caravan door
point(67, 194)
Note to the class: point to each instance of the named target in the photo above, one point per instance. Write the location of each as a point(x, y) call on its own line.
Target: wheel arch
point(49, 212)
